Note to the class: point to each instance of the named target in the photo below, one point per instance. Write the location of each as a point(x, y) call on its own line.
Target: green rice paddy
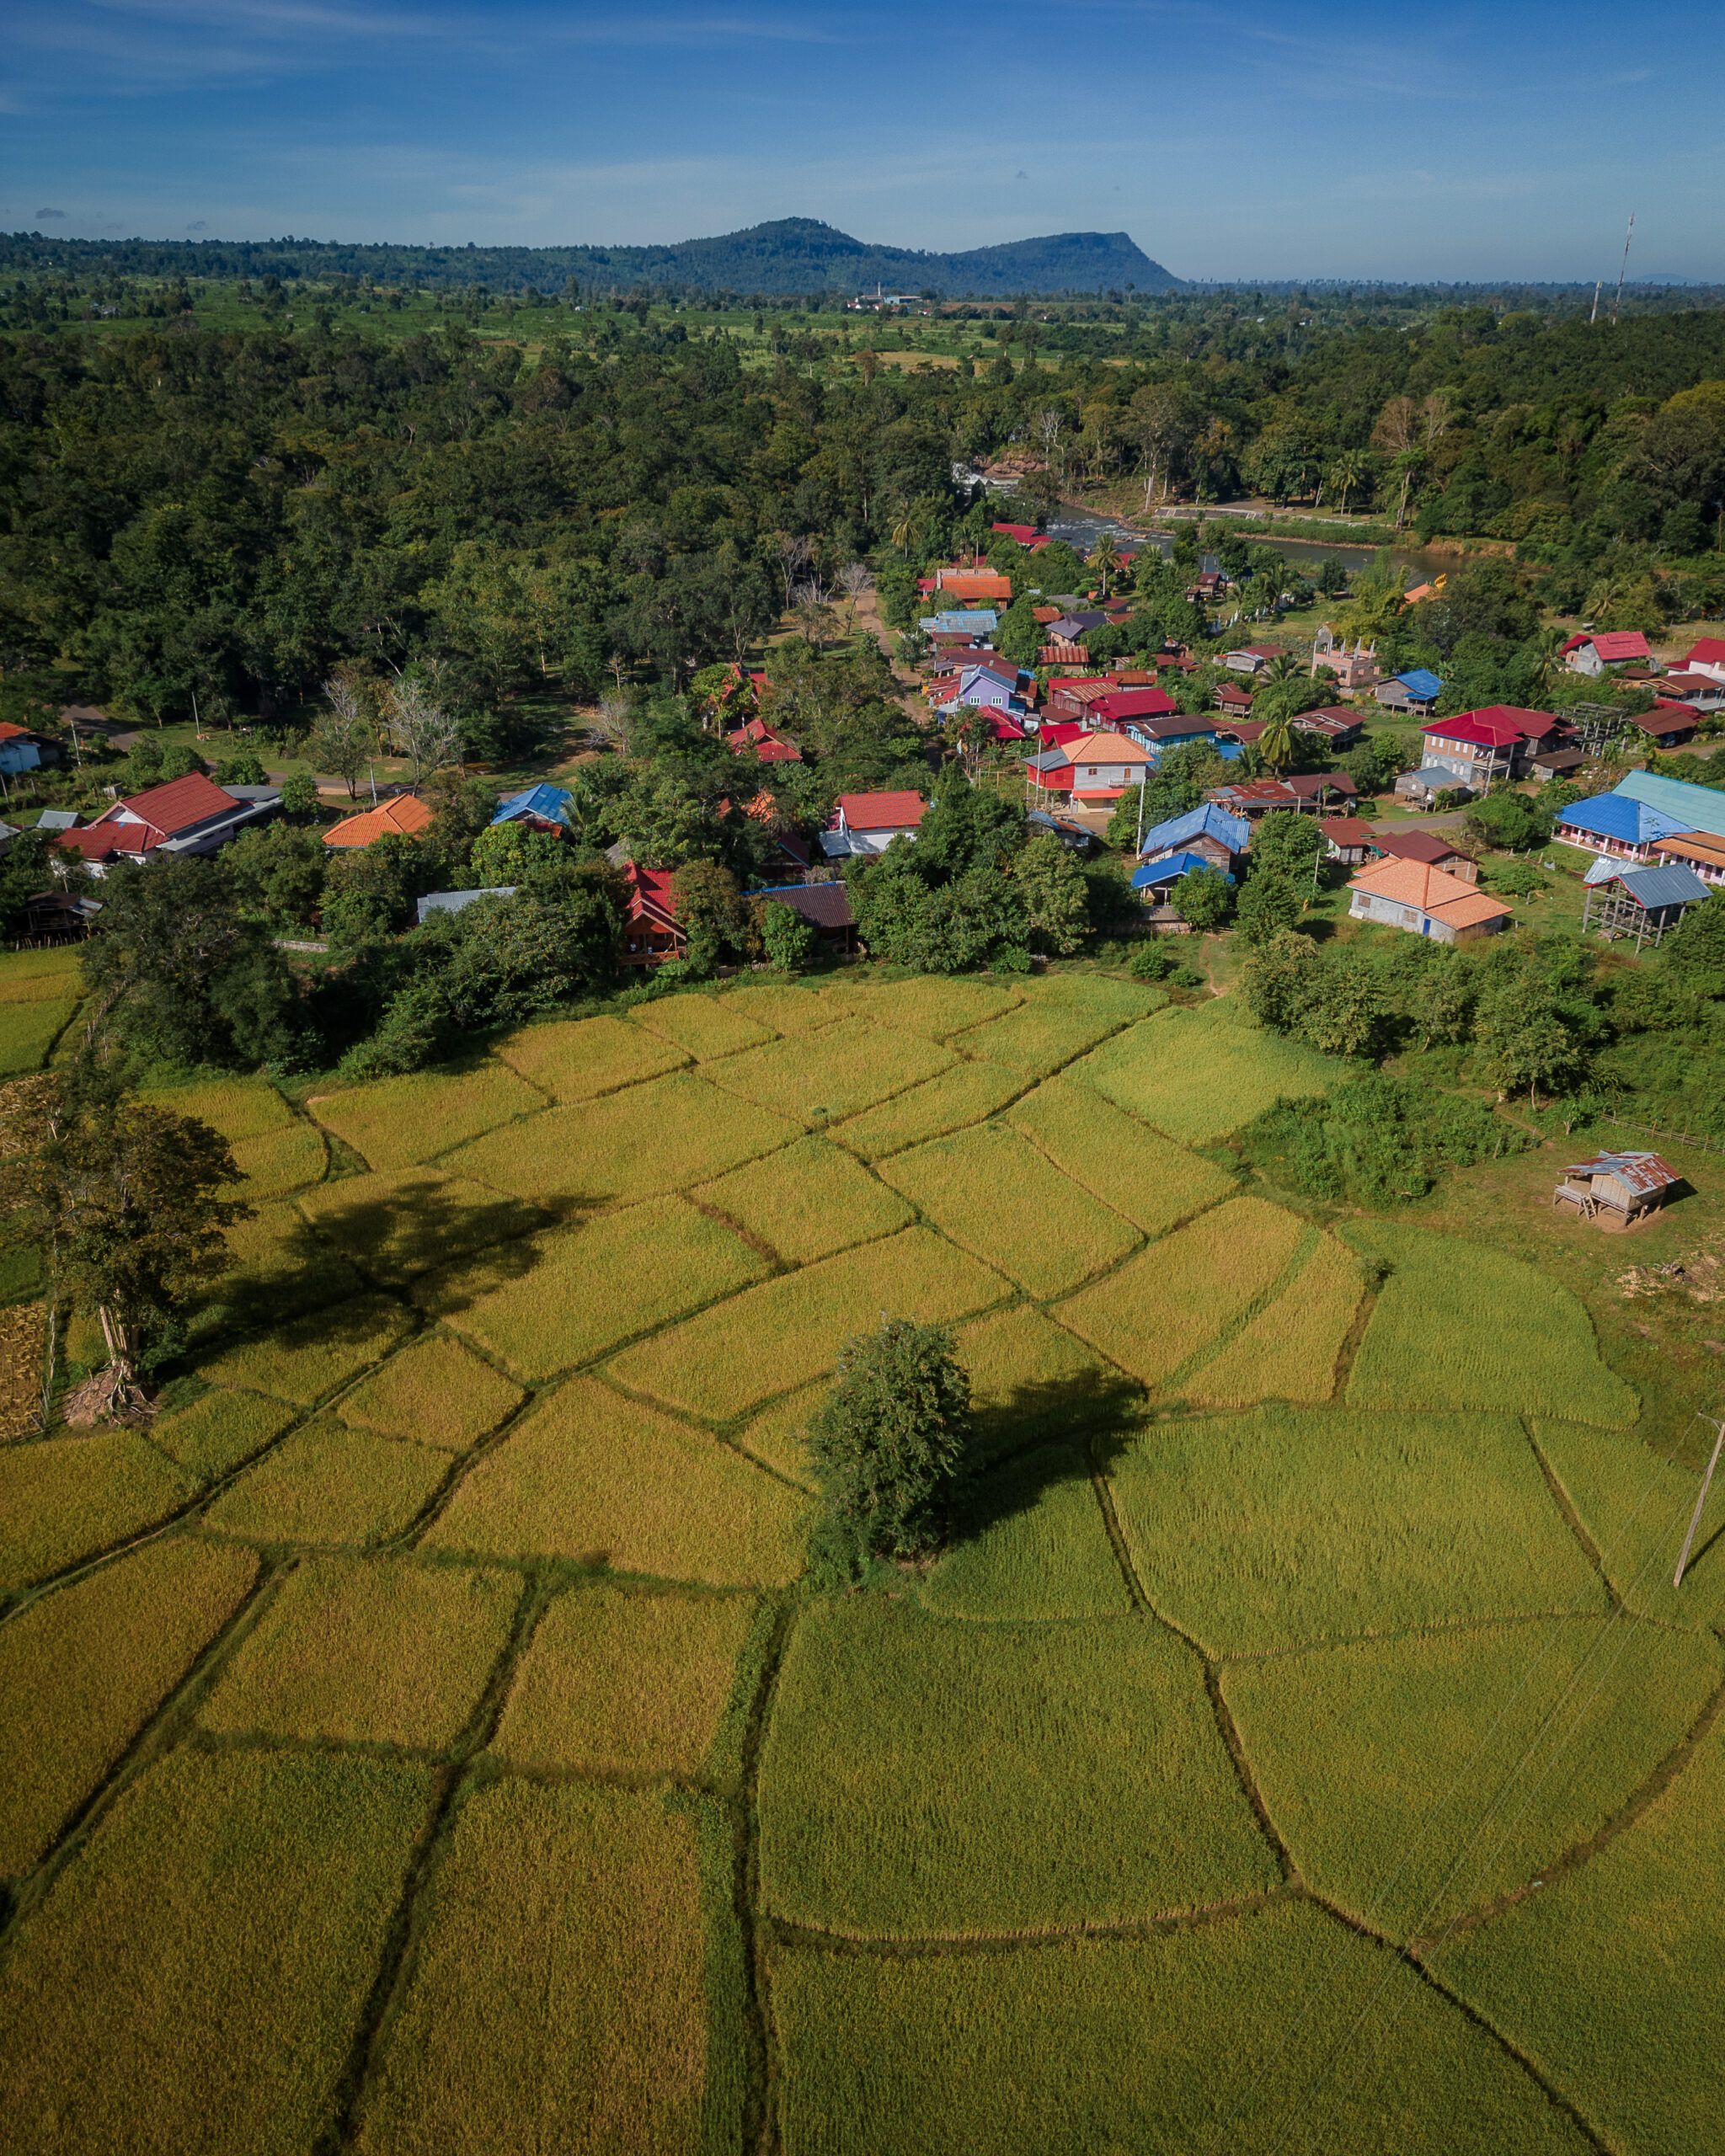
point(425, 1733)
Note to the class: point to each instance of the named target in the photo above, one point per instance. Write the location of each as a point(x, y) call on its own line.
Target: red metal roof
point(1615, 645)
point(1347, 831)
point(1642, 1171)
point(1706, 651)
point(1414, 845)
point(1122, 704)
point(175, 806)
point(881, 812)
point(1477, 727)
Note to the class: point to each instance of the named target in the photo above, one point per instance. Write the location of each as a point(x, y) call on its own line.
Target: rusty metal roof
point(1642, 1172)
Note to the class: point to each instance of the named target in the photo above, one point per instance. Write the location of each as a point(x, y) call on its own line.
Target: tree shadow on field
point(1041, 1434)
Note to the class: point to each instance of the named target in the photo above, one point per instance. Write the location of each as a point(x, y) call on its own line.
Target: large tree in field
point(134, 1199)
point(888, 1445)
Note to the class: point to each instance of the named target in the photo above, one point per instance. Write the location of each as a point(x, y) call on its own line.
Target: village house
point(1617, 1189)
point(1072, 697)
point(1062, 654)
point(1321, 790)
point(1412, 694)
point(1555, 763)
point(1023, 535)
point(1476, 747)
point(986, 684)
point(1096, 766)
point(1154, 880)
point(868, 823)
point(21, 750)
point(1159, 735)
point(1424, 901)
point(966, 621)
point(184, 815)
point(1232, 700)
point(1429, 847)
point(1706, 655)
point(1702, 691)
point(1355, 668)
point(1252, 797)
point(1617, 826)
point(756, 737)
point(826, 907)
point(1697, 851)
point(1597, 652)
point(436, 902)
point(1425, 787)
point(1340, 726)
point(1668, 725)
point(403, 816)
point(541, 807)
point(1209, 830)
point(652, 931)
point(975, 587)
point(1251, 658)
point(1347, 839)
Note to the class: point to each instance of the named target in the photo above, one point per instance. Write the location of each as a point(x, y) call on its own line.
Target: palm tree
point(1275, 745)
point(1351, 470)
point(1283, 667)
point(1105, 558)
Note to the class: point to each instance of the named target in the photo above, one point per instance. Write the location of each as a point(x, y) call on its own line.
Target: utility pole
point(1623, 267)
point(1598, 282)
point(1695, 1518)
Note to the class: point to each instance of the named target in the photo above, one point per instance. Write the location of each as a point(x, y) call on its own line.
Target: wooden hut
point(1617, 1189)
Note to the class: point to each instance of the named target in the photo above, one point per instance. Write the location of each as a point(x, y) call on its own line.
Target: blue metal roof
point(551, 803)
point(1669, 885)
point(961, 621)
point(1695, 808)
point(1208, 820)
point(1421, 681)
point(1168, 869)
point(1616, 816)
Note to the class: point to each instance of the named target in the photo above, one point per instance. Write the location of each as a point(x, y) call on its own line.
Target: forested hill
point(793, 255)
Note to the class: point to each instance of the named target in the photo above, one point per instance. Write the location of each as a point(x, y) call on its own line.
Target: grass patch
point(382, 1651)
point(597, 1480)
point(584, 1292)
point(996, 1195)
point(576, 1058)
point(1030, 1379)
point(50, 974)
point(278, 1162)
point(1635, 1509)
point(1458, 1325)
point(703, 1025)
point(27, 1032)
point(435, 1391)
point(66, 1498)
point(328, 1484)
point(935, 1008)
point(83, 1670)
point(219, 1430)
point(1153, 1315)
point(1609, 1977)
point(1198, 1074)
point(237, 1108)
point(820, 1081)
point(967, 1093)
point(789, 1330)
point(1155, 1183)
point(397, 1122)
point(806, 1201)
point(660, 1136)
point(594, 1896)
point(1175, 2044)
point(396, 1226)
point(1030, 1542)
point(1416, 1778)
point(180, 1989)
point(625, 1683)
point(1288, 1351)
point(970, 1754)
point(310, 1356)
point(1263, 1531)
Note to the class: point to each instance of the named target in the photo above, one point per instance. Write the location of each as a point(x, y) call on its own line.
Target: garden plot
point(703, 1026)
point(309, 1357)
point(1162, 1306)
point(328, 1484)
point(398, 1225)
point(82, 1669)
point(656, 1137)
point(783, 1009)
point(789, 1330)
point(1459, 1326)
point(578, 1058)
point(397, 1122)
point(1290, 1350)
point(1609, 1975)
point(1199, 1074)
point(1415, 1778)
point(1175, 2044)
point(967, 1093)
point(180, 1989)
point(580, 1293)
point(848, 1067)
point(62, 1499)
point(576, 1911)
point(1258, 1532)
point(368, 1650)
point(616, 1682)
point(1031, 1542)
point(970, 1754)
point(995, 1195)
point(1155, 1183)
point(435, 1391)
point(806, 1201)
point(597, 1480)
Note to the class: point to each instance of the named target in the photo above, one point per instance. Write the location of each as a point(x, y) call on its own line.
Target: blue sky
point(1229, 139)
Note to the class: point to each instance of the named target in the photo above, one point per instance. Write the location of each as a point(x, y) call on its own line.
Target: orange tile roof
point(1431, 890)
point(404, 816)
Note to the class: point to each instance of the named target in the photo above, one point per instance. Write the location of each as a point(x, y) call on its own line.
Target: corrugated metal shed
point(1656, 887)
point(1642, 1172)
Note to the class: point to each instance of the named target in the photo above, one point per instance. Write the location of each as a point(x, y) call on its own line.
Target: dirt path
point(909, 692)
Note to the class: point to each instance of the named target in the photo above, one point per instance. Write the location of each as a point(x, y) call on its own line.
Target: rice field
point(367, 1651)
point(29, 1029)
point(465, 1573)
point(620, 1683)
point(1431, 1343)
point(1048, 1238)
point(970, 1754)
point(609, 1484)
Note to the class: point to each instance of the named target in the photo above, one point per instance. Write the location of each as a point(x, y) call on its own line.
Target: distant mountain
point(793, 255)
